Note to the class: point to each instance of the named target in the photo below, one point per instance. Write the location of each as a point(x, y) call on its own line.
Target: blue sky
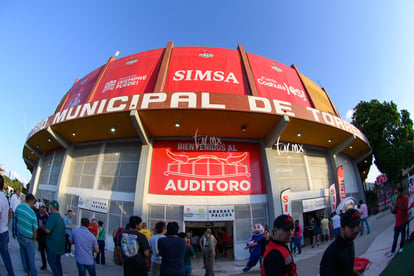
point(357, 50)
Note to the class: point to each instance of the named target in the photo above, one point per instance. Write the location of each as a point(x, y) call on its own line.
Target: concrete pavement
point(376, 253)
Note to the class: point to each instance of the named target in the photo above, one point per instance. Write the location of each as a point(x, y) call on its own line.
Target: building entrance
point(222, 231)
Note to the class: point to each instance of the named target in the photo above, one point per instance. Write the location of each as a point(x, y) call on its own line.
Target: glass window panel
point(242, 212)
point(126, 184)
point(174, 213)
point(156, 212)
point(243, 230)
point(258, 211)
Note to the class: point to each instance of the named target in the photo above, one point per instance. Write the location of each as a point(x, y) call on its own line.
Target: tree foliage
point(390, 134)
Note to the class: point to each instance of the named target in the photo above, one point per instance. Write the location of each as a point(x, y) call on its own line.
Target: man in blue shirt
point(84, 243)
point(68, 230)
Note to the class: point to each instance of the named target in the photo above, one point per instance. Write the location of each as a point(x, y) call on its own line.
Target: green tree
point(390, 134)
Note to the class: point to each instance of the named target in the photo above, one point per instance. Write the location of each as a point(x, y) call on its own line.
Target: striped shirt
point(26, 220)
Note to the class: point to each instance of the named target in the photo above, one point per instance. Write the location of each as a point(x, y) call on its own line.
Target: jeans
point(4, 252)
point(100, 257)
point(336, 232)
point(188, 270)
point(68, 245)
point(27, 254)
point(298, 244)
point(54, 263)
point(14, 225)
point(397, 231)
point(83, 267)
point(365, 220)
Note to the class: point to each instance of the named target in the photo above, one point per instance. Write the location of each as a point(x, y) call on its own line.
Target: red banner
point(82, 88)
point(206, 166)
point(277, 81)
point(201, 69)
point(130, 75)
point(341, 182)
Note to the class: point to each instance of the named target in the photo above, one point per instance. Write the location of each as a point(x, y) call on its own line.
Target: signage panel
point(341, 183)
point(277, 81)
point(94, 204)
point(205, 69)
point(206, 166)
point(130, 75)
point(313, 204)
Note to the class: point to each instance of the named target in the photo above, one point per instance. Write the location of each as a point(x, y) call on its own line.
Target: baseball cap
point(284, 222)
point(350, 218)
point(55, 204)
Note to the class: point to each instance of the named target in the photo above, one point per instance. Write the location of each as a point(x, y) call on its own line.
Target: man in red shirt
point(400, 208)
point(93, 228)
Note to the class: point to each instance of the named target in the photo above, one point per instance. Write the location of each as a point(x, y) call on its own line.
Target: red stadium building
point(207, 137)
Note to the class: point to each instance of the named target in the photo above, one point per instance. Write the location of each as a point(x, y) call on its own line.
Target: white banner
point(332, 197)
point(195, 213)
point(286, 208)
point(94, 204)
point(313, 204)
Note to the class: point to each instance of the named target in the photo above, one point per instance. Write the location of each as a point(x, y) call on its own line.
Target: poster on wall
point(195, 213)
point(206, 166)
point(313, 204)
point(332, 196)
point(341, 183)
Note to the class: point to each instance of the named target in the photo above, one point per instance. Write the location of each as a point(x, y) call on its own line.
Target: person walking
point(189, 253)
point(26, 226)
point(55, 238)
point(277, 259)
point(209, 252)
point(172, 251)
point(338, 258)
point(297, 237)
point(68, 231)
point(363, 210)
point(160, 230)
point(100, 257)
point(135, 248)
point(15, 200)
point(85, 243)
point(195, 239)
point(325, 228)
point(400, 208)
point(42, 217)
point(336, 225)
point(5, 217)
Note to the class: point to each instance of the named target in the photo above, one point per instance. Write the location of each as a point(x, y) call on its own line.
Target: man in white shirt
point(15, 200)
point(5, 216)
point(336, 224)
point(160, 230)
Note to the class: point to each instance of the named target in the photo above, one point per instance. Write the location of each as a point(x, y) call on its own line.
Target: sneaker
point(390, 254)
point(401, 250)
point(70, 254)
point(67, 254)
point(300, 254)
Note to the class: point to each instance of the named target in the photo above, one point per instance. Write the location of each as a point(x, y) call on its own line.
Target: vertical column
point(162, 74)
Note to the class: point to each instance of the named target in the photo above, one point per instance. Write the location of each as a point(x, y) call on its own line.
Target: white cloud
point(349, 114)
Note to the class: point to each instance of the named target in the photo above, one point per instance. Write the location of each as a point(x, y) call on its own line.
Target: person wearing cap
point(55, 239)
point(338, 258)
point(42, 217)
point(26, 227)
point(277, 259)
point(400, 207)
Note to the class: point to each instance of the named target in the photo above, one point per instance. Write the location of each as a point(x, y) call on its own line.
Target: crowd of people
point(167, 251)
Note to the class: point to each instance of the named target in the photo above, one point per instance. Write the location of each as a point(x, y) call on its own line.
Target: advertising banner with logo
point(277, 81)
point(332, 197)
point(206, 166)
point(81, 89)
point(286, 206)
point(130, 75)
point(341, 183)
point(200, 69)
point(195, 213)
